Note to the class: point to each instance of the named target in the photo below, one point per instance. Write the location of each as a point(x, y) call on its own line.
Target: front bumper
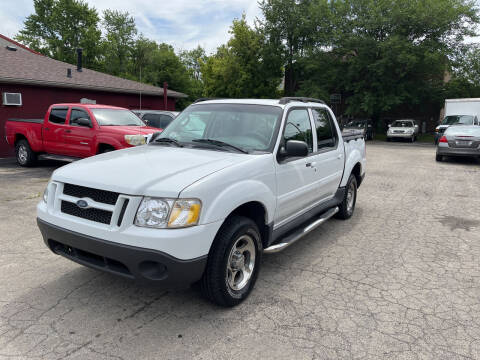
point(144, 265)
point(399, 136)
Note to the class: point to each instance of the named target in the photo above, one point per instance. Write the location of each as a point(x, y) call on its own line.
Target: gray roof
point(28, 67)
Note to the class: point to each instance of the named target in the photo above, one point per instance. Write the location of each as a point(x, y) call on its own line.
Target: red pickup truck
point(76, 131)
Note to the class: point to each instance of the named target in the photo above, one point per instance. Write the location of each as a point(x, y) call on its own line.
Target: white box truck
point(459, 111)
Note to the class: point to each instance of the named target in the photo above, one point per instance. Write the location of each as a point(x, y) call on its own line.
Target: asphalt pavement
point(400, 280)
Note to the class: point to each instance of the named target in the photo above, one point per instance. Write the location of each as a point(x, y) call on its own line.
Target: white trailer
point(464, 111)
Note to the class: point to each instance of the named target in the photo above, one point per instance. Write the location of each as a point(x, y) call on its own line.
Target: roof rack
point(286, 100)
point(206, 99)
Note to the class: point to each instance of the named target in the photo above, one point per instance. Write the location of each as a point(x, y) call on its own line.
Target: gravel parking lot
point(400, 280)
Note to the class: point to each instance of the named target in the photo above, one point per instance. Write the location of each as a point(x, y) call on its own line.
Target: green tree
point(240, 68)
point(118, 43)
point(58, 27)
point(292, 29)
point(193, 60)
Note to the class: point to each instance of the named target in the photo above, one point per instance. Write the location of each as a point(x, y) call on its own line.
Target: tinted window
point(58, 116)
point(298, 127)
point(157, 120)
point(458, 119)
point(152, 120)
point(326, 134)
point(77, 114)
point(165, 120)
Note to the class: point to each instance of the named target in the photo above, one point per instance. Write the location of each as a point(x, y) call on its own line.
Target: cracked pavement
point(400, 280)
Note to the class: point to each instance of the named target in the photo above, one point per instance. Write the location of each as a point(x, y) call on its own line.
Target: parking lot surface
point(400, 280)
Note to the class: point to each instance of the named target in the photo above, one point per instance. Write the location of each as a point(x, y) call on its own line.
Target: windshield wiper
point(169, 141)
point(220, 144)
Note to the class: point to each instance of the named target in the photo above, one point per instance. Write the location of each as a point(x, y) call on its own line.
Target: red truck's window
point(77, 114)
point(58, 116)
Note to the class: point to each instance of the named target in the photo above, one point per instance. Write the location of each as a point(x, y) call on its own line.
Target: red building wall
point(37, 99)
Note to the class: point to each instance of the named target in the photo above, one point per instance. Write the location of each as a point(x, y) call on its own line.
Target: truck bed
point(352, 134)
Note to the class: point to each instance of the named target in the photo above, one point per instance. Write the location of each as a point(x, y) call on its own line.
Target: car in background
point(156, 118)
point(454, 120)
point(365, 125)
point(459, 140)
point(403, 129)
point(73, 131)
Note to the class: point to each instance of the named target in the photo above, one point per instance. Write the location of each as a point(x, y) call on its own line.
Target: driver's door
point(79, 138)
point(295, 177)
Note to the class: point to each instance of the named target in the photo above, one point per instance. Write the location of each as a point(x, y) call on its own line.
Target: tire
point(388, 139)
point(347, 206)
point(413, 139)
point(438, 157)
point(222, 283)
point(25, 155)
point(106, 150)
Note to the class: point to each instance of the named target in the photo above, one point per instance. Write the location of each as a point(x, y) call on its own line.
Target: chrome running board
point(297, 235)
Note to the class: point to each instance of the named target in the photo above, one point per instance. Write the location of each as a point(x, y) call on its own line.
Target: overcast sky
point(181, 23)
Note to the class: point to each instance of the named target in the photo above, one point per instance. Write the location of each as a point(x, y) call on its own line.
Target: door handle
point(339, 156)
point(68, 131)
point(46, 129)
point(311, 164)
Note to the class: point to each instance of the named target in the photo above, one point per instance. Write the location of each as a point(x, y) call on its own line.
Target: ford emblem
point(82, 204)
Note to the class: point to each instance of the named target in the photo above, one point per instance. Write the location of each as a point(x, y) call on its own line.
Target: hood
point(152, 170)
point(129, 130)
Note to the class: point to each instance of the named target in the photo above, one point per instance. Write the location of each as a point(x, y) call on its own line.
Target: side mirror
point(416, 126)
point(83, 122)
point(389, 125)
point(295, 148)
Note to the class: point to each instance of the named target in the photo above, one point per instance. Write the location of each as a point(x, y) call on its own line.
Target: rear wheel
point(347, 206)
point(233, 262)
point(24, 153)
point(438, 157)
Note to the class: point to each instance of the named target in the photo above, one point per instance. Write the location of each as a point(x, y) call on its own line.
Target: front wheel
point(24, 153)
point(233, 262)
point(347, 206)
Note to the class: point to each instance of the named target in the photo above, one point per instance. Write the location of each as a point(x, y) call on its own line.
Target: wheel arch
point(257, 212)
point(102, 146)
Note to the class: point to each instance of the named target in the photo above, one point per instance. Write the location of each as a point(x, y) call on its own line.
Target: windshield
point(402, 123)
point(116, 117)
point(458, 119)
point(248, 127)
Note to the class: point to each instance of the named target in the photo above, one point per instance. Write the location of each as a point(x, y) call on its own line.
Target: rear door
point(296, 180)
point(328, 159)
point(53, 131)
point(78, 138)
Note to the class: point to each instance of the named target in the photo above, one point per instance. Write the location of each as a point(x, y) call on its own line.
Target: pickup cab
point(75, 131)
point(226, 182)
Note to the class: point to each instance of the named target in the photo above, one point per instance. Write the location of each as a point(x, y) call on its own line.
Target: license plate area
point(463, 143)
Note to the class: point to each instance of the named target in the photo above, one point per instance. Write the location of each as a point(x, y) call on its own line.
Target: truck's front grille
point(102, 196)
point(97, 215)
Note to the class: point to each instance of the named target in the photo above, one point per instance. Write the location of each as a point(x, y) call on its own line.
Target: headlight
point(135, 140)
point(45, 194)
point(168, 213)
point(410, 131)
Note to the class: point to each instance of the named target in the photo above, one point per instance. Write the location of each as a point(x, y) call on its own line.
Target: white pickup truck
point(227, 181)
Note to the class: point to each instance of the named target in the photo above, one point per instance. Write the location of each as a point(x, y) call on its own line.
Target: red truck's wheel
point(24, 153)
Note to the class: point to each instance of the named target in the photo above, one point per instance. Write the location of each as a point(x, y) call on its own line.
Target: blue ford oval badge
point(82, 204)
